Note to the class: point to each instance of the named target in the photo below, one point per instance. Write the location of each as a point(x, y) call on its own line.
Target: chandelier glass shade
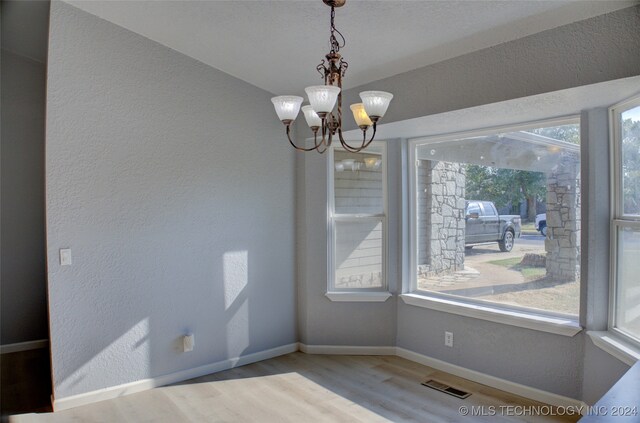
point(323, 114)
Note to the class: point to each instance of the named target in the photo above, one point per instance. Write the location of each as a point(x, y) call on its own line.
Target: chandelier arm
point(346, 146)
point(322, 142)
point(302, 148)
point(364, 144)
point(350, 149)
point(324, 133)
point(321, 151)
point(318, 144)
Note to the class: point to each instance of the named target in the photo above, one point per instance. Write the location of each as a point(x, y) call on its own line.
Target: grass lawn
point(528, 272)
point(538, 291)
point(529, 229)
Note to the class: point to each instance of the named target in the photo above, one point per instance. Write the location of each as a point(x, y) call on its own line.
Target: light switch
point(65, 257)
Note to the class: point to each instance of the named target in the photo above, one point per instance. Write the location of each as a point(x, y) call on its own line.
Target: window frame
point(378, 294)
point(618, 219)
point(546, 321)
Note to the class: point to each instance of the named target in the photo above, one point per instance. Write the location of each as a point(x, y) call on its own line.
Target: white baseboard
point(24, 346)
point(492, 381)
point(346, 350)
point(475, 376)
point(145, 384)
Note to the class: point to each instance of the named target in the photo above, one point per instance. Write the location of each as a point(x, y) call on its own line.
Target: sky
point(634, 114)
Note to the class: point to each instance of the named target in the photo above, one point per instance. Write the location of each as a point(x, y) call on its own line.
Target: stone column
point(441, 217)
point(563, 220)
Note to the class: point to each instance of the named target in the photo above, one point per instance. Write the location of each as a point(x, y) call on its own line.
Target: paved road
point(530, 240)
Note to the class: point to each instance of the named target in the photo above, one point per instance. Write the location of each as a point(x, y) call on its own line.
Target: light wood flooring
point(299, 387)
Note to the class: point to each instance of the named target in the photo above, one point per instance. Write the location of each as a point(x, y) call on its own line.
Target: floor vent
point(439, 386)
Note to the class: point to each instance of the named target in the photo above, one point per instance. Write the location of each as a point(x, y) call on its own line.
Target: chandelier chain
point(333, 40)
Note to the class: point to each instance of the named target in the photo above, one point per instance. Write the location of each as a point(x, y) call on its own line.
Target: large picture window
point(625, 223)
point(357, 220)
point(496, 218)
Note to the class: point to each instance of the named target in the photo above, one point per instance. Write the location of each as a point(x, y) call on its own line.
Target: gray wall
point(23, 281)
point(601, 372)
point(599, 49)
point(155, 182)
point(340, 323)
point(533, 358)
point(600, 369)
point(172, 184)
point(585, 52)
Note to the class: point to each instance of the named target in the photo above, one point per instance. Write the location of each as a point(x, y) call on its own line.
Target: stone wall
point(441, 213)
point(563, 220)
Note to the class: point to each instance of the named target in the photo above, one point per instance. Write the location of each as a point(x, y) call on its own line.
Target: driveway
point(491, 252)
point(487, 281)
point(482, 278)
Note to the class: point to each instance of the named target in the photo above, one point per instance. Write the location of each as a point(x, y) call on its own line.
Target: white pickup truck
point(541, 223)
point(484, 224)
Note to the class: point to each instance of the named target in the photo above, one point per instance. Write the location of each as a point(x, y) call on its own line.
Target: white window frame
point(557, 323)
point(380, 294)
point(618, 218)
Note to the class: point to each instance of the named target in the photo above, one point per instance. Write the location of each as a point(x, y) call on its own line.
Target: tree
point(509, 186)
point(631, 166)
point(566, 133)
point(506, 186)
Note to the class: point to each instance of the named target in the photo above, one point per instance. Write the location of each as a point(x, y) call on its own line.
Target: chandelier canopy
point(319, 114)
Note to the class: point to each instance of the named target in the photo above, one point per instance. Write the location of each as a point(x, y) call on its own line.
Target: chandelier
point(320, 115)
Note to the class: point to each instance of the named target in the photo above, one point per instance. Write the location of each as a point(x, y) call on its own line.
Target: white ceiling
point(276, 45)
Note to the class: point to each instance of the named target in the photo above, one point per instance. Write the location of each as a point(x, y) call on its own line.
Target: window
point(357, 220)
point(625, 223)
point(489, 209)
point(473, 209)
point(468, 246)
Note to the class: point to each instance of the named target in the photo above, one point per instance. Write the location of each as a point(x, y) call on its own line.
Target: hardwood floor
point(303, 388)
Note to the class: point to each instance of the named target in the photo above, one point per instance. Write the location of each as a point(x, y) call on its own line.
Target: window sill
point(371, 297)
point(541, 322)
point(614, 345)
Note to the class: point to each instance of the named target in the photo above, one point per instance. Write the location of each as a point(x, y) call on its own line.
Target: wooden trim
point(24, 346)
point(145, 384)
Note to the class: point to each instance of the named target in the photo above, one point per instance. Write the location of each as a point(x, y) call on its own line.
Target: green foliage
point(566, 133)
point(509, 186)
point(504, 186)
point(528, 272)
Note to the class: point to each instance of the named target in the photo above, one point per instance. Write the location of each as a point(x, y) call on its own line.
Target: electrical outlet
point(448, 339)
point(188, 342)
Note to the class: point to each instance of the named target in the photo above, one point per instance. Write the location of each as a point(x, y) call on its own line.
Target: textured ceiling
point(276, 45)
